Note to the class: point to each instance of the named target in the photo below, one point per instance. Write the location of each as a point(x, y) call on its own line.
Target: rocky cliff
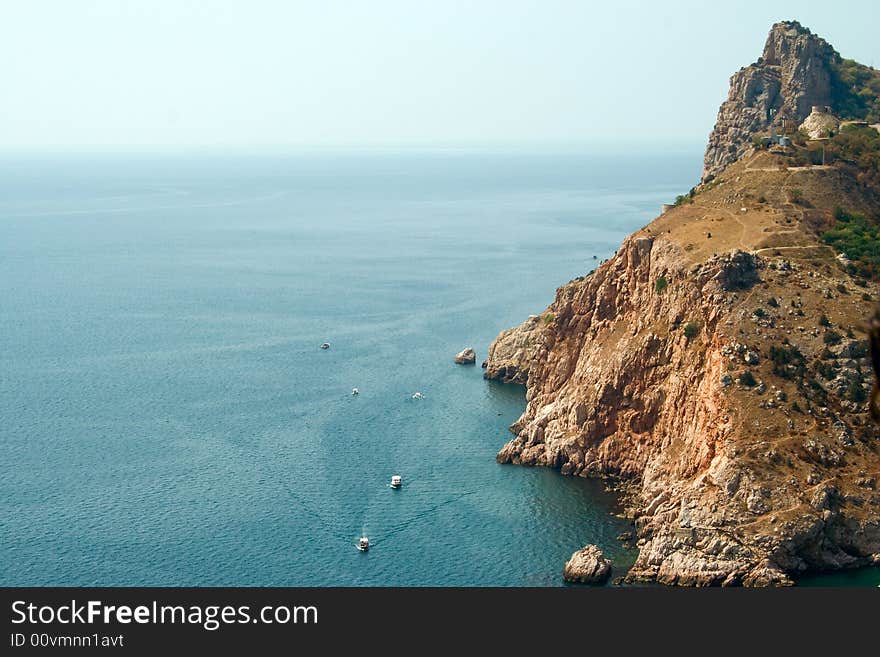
point(718, 363)
point(510, 354)
point(796, 72)
point(793, 74)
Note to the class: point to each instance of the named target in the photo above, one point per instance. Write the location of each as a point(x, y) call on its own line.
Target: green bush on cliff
point(747, 379)
point(691, 329)
point(855, 90)
point(787, 354)
point(661, 285)
point(826, 370)
point(681, 199)
point(788, 361)
point(832, 337)
point(859, 238)
point(860, 146)
point(855, 392)
point(796, 195)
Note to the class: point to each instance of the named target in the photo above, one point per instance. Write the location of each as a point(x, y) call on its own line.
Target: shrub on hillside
point(859, 238)
point(832, 337)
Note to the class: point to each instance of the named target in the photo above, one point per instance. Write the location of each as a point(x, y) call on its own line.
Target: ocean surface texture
point(168, 416)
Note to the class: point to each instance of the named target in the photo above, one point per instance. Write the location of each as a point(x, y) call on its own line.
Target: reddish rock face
point(707, 373)
point(731, 486)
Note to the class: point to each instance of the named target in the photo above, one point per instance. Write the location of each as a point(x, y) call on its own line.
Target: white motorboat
point(418, 395)
point(396, 481)
point(363, 544)
point(355, 391)
point(326, 345)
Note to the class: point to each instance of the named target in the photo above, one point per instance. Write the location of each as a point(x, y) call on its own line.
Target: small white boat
point(418, 395)
point(355, 391)
point(396, 481)
point(363, 544)
point(326, 345)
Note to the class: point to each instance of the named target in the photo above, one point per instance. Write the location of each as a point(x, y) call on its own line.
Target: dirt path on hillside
point(818, 247)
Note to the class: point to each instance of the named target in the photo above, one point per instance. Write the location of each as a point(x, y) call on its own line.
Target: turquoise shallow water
point(168, 418)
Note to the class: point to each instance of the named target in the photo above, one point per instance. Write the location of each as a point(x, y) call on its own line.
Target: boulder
point(466, 357)
point(587, 566)
point(737, 270)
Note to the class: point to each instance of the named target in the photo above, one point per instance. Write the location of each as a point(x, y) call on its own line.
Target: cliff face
point(794, 73)
point(510, 354)
point(707, 363)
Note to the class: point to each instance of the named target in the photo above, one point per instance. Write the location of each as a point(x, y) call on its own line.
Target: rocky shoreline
point(611, 395)
point(716, 368)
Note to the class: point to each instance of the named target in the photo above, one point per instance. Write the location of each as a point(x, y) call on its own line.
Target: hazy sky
point(253, 73)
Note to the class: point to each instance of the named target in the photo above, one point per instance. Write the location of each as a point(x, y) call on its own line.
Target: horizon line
point(623, 144)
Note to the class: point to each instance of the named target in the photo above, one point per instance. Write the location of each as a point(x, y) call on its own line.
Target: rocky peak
point(794, 73)
point(787, 38)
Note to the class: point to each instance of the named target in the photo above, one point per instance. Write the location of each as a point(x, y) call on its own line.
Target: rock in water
point(587, 566)
point(466, 356)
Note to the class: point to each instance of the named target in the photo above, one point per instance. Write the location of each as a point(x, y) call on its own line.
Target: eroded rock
point(512, 352)
point(587, 566)
point(466, 356)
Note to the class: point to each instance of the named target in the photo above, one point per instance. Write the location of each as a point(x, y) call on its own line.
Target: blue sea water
point(168, 417)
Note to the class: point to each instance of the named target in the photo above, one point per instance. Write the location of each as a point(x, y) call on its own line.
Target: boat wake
point(423, 515)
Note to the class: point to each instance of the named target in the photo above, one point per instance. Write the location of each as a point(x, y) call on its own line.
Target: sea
point(168, 418)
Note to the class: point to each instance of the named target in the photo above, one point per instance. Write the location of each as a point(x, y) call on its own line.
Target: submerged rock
point(466, 356)
point(587, 566)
